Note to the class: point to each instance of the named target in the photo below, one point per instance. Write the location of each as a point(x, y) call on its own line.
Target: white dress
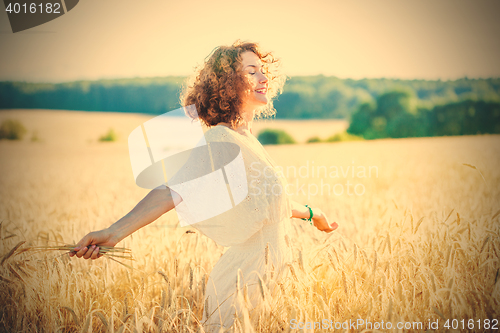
point(261, 220)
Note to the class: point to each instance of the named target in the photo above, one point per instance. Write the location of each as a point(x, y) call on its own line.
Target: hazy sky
point(407, 39)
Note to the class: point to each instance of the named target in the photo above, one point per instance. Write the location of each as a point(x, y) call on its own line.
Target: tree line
point(139, 95)
point(376, 108)
point(395, 114)
point(304, 97)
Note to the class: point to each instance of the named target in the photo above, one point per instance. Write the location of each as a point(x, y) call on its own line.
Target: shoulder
point(219, 133)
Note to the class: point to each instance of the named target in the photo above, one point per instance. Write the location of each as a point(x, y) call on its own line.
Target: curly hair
point(219, 85)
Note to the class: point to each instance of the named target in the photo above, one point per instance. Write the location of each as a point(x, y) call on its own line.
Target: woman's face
point(252, 67)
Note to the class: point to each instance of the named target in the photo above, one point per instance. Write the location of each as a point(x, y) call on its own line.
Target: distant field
point(418, 239)
point(85, 127)
point(302, 130)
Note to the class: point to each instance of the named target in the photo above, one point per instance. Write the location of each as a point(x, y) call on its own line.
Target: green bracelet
point(310, 215)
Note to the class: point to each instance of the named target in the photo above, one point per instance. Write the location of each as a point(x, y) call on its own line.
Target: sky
point(398, 39)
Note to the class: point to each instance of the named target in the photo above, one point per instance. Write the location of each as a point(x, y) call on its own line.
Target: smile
point(262, 91)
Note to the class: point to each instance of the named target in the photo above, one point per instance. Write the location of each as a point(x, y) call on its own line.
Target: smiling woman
point(234, 77)
point(235, 85)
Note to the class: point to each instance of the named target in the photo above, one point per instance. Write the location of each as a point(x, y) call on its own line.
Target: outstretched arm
point(319, 219)
point(156, 203)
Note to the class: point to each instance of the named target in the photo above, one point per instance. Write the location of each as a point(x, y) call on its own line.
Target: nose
point(263, 78)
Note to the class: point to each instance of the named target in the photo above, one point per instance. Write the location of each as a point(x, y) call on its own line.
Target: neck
point(247, 114)
point(246, 125)
point(247, 122)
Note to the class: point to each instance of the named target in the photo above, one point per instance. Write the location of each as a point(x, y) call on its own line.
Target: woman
point(234, 86)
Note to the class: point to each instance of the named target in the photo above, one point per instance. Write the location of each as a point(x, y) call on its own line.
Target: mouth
point(262, 91)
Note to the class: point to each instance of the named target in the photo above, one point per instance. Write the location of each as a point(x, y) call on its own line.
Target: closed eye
point(262, 71)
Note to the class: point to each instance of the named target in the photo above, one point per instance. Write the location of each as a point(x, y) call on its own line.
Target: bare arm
point(156, 203)
point(319, 219)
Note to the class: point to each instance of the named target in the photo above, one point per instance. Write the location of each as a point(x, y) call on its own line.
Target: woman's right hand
point(88, 247)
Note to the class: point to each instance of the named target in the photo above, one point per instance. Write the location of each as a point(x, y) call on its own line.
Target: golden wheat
point(421, 243)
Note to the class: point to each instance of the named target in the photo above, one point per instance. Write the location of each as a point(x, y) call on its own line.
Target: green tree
point(314, 139)
point(394, 103)
point(12, 129)
point(274, 137)
point(361, 119)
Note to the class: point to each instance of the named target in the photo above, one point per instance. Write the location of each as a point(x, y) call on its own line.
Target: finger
point(333, 227)
point(81, 252)
point(84, 242)
point(88, 254)
point(95, 254)
point(81, 244)
point(90, 251)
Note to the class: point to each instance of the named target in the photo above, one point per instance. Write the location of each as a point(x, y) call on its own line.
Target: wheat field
point(418, 238)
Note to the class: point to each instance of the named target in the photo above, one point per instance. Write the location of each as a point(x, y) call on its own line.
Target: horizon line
point(289, 76)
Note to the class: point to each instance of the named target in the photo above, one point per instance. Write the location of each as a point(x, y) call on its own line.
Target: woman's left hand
point(320, 221)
